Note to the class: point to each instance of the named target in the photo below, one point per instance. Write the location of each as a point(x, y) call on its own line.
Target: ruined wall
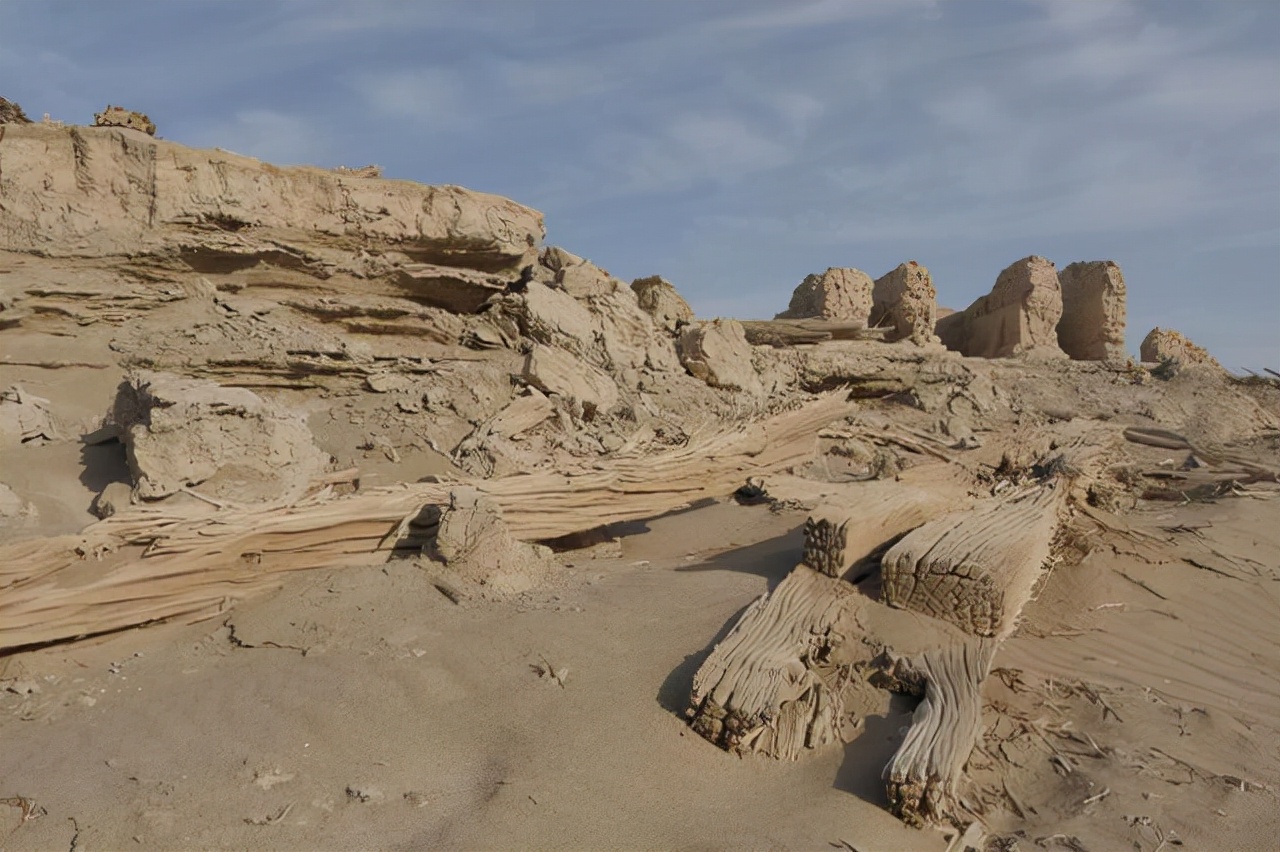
point(905, 301)
point(1163, 344)
point(1019, 315)
point(1093, 311)
point(839, 293)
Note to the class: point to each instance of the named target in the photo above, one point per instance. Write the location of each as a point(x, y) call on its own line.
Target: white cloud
point(274, 137)
point(432, 96)
point(1086, 16)
point(818, 13)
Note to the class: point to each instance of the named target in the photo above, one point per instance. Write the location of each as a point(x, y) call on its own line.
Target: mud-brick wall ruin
point(1033, 308)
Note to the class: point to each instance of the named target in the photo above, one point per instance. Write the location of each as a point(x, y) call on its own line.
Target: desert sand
point(341, 512)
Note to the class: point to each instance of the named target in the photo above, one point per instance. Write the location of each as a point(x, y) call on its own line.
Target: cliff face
point(102, 191)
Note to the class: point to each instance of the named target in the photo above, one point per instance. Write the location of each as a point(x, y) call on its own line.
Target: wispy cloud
point(819, 13)
point(433, 96)
point(274, 137)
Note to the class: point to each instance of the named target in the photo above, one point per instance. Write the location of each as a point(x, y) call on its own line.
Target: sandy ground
point(173, 737)
point(361, 708)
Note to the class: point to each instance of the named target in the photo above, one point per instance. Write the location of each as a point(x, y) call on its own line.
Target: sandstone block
point(577, 276)
point(1162, 344)
point(839, 293)
point(555, 371)
point(1093, 311)
point(630, 338)
point(1019, 315)
point(229, 441)
point(718, 353)
point(15, 511)
point(551, 316)
point(25, 417)
point(905, 300)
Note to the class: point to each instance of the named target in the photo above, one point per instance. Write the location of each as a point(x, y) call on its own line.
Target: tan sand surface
point(175, 737)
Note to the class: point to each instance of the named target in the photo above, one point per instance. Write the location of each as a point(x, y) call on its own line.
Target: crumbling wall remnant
point(1019, 315)
point(906, 301)
point(840, 293)
point(114, 116)
point(1093, 311)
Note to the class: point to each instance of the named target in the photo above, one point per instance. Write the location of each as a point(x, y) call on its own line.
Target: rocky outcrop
point(553, 371)
point(658, 298)
point(108, 191)
point(609, 330)
point(718, 353)
point(839, 293)
point(1093, 311)
point(114, 116)
point(577, 276)
point(11, 113)
point(1019, 315)
point(906, 302)
point(232, 443)
point(1165, 344)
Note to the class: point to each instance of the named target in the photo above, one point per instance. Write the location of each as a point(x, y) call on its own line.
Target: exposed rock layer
point(101, 191)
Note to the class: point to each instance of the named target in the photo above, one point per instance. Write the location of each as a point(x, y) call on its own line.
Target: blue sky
point(734, 147)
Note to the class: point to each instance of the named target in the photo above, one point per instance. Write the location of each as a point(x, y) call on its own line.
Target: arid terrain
point(342, 512)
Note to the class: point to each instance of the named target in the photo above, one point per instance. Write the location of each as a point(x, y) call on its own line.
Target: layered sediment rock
point(1019, 315)
point(905, 300)
point(110, 191)
point(1093, 311)
point(1164, 344)
point(839, 293)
